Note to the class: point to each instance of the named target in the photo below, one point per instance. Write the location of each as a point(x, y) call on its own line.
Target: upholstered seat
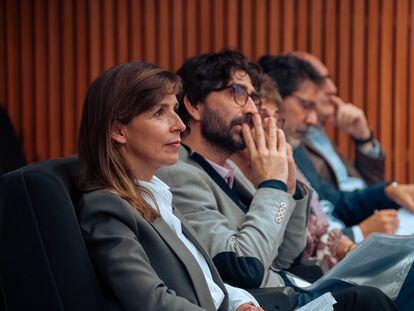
point(44, 264)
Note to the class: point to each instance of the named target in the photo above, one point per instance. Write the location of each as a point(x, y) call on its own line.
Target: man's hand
point(402, 195)
point(249, 307)
point(267, 150)
point(383, 221)
point(351, 119)
point(291, 181)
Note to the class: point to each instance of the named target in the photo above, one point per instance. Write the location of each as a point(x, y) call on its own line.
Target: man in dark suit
point(369, 165)
point(11, 155)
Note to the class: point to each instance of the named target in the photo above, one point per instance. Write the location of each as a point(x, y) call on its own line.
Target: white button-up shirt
point(163, 196)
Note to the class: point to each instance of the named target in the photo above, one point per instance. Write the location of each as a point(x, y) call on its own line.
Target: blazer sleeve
point(112, 237)
point(372, 169)
point(241, 250)
point(294, 239)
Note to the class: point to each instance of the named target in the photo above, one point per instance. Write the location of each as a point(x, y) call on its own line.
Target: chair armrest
point(275, 298)
point(309, 271)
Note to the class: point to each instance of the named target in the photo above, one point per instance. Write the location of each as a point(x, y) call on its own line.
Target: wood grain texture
point(53, 49)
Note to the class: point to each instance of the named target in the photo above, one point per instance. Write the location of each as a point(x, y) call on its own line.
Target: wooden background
point(50, 50)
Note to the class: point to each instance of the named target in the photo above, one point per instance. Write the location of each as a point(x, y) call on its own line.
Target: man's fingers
point(272, 134)
point(248, 140)
point(281, 141)
point(387, 212)
point(337, 101)
point(260, 134)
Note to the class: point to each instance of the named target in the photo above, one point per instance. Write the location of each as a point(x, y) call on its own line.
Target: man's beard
point(218, 134)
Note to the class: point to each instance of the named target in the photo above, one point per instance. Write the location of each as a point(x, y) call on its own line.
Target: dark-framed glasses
point(240, 94)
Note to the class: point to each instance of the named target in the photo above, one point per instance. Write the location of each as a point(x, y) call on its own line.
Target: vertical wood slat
point(121, 33)
point(149, 31)
point(231, 35)
point(178, 35)
point(344, 57)
point(316, 28)
point(68, 110)
point(191, 26)
point(400, 92)
point(108, 31)
point(302, 34)
point(372, 65)
point(218, 25)
point(163, 36)
point(12, 64)
point(259, 37)
point(40, 76)
point(358, 74)
point(246, 28)
point(53, 50)
point(2, 53)
point(26, 39)
point(82, 73)
point(136, 21)
point(205, 23)
point(288, 25)
point(330, 43)
point(95, 36)
point(54, 79)
point(275, 32)
point(386, 40)
point(410, 114)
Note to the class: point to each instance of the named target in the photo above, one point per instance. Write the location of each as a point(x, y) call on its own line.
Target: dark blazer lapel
point(194, 270)
point(191, 235)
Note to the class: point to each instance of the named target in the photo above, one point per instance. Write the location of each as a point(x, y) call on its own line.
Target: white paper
point(322, 303)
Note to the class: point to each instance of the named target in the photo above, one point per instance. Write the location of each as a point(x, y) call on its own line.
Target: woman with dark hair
point(145, 255)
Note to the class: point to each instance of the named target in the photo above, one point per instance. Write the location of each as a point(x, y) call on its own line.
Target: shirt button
point(283, 204)
point(278, 219)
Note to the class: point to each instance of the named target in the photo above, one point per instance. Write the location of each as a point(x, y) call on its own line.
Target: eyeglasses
point(305, 103)
point(280, 119)
point(241, 96)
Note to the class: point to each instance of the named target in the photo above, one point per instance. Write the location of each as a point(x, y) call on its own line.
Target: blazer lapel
point(191, 235)
point(194, 270)
point(203, 164)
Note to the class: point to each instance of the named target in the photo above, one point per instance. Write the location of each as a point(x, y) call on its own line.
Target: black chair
point(44, 264)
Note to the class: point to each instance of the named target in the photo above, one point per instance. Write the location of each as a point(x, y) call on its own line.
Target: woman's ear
point(118, 133)
point(193, 110)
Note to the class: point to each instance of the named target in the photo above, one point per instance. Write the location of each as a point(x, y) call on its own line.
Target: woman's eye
point(159, 113)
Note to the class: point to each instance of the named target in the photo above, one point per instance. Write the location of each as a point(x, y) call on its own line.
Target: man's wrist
point(363, 141)
point(389, 189)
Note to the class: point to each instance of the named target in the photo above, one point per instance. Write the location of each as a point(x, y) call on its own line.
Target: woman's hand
point(345, 245)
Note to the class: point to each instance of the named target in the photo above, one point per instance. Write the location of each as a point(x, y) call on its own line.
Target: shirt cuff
point(374, 151)
point(358, 236)
point(273, 183)
point(238, 296)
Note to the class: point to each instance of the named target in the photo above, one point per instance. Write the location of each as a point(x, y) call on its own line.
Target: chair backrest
point(44, 264)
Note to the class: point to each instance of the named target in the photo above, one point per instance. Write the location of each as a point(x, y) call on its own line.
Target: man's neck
point(198, 144)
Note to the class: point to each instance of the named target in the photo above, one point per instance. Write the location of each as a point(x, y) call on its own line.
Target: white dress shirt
point(163, 196)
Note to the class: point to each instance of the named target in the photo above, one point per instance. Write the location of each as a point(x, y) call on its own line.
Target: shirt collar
point(226, 171)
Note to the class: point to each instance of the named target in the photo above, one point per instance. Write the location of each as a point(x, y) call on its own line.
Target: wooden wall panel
point(52, 49)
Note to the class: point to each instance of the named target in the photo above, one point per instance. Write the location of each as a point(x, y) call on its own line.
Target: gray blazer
point(247, 246)
point(143, 265)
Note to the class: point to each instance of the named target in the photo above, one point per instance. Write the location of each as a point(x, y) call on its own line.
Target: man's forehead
point(309, 89)
point(242, 77)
